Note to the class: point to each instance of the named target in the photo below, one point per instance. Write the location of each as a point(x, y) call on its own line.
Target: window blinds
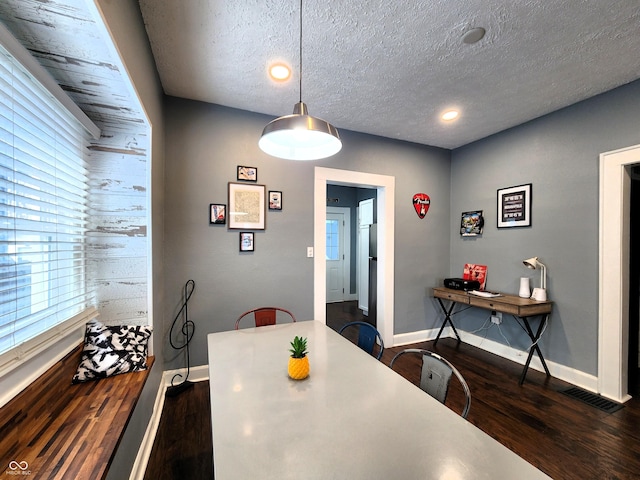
point(43, 209)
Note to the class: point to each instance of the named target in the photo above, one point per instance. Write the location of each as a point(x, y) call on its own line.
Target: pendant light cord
point(300, 79)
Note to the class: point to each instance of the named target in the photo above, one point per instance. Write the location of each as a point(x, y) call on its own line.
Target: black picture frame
point(514, 206)
point(217, 213)
point(471, 223)
point(247, 174)
point(275, 200)
point(247, 242)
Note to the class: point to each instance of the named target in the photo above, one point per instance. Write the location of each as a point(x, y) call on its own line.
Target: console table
point(523, 308)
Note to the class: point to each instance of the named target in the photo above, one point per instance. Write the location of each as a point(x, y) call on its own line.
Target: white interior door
point(335, 257)
point(365, 219)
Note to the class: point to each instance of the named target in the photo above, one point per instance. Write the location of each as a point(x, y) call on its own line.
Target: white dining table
point(352, 418)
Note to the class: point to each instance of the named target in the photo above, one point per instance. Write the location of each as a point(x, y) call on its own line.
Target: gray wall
point(559, 155)
point(204, 145)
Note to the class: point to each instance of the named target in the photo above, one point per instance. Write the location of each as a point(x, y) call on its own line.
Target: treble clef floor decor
point(187, 330)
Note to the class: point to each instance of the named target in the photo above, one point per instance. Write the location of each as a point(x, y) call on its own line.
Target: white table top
point(352, 418)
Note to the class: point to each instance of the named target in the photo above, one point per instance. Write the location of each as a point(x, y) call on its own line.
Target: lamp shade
point(533, 263)
point(300, 136)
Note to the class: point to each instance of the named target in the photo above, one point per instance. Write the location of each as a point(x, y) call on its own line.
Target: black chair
point(368, 337)
point(436, 374)
point(264, 316)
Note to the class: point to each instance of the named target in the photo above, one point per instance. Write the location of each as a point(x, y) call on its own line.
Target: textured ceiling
point(389, 67)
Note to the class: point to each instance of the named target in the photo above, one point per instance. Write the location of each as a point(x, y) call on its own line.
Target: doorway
point(634, 282)
point(385, 188)
point(614, 268)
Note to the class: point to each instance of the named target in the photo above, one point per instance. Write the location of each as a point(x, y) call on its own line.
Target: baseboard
point(144, 452)
point(417, 337)
point(575, 377)
point(196, 374)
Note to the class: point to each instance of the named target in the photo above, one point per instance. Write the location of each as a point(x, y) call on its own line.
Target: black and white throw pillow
point(112, 350)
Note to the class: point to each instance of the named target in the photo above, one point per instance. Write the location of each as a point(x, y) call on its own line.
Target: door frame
point(346, 247)
point(613, 291)
point(385, 186)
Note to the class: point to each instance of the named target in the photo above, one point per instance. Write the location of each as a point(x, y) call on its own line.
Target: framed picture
point(514, 206)
point(217, 213)
point(471, 223)
point(275, 200)
point(246, 206)
point(247, 174)
point(246, 242)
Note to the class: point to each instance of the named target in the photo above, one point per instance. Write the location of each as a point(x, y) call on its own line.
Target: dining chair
point(264, 316)
point(436, 374)
point(368, 337)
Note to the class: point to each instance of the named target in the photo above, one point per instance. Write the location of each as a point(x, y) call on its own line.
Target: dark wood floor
point(562, 436)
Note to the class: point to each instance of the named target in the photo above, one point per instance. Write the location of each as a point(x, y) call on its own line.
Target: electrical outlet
point(496, 317)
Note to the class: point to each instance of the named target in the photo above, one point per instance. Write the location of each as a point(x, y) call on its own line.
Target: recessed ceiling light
point(450, 115)
point(279, 72)
point(474, 35)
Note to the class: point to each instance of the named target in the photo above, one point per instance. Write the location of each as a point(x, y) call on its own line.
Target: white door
point(335, 257)
point(365, 219)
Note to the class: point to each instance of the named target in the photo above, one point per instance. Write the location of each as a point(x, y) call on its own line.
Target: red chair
point(264, 316)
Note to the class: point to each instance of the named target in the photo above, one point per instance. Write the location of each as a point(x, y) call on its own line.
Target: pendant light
point(300, 136)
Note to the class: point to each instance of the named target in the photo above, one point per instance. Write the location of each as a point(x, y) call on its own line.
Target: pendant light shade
point(300, 136)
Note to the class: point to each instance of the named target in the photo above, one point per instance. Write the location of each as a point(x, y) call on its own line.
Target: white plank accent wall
point(119, 215)
point(68, 39)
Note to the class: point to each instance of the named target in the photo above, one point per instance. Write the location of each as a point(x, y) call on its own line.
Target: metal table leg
point(534, 347)
point(447, 318)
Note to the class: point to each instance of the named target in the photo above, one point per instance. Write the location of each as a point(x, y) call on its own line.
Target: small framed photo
point(246, 242)
point(275, 200)
point(217, 213)
point(471, 223)
point(514, 206)
point(247, 174)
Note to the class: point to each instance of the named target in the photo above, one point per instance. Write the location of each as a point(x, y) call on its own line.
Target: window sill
point(23, 364)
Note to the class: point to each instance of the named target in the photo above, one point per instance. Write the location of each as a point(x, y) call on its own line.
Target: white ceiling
point(390, 67)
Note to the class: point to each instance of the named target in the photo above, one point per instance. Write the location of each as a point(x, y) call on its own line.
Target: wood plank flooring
point(562, 436)
point(183, 447)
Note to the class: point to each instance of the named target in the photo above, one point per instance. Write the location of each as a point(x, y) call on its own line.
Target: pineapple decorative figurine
point(298, 362)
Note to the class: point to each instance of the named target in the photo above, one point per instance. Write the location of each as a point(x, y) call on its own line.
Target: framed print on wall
point(514, 206)
point(247, 174)
point(246, 206)
point(471, 223)
point(246, 242)
point(217, 213)
point(275, 200)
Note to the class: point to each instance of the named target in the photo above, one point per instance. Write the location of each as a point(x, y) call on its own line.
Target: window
point(43, 209)
point(333, 241)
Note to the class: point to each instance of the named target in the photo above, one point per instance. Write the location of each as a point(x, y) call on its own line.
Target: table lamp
point(539, 294)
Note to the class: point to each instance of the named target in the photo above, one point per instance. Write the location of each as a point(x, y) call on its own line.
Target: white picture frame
point(247, 206)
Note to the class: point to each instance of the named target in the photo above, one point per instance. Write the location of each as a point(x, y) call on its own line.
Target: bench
point(54, 429)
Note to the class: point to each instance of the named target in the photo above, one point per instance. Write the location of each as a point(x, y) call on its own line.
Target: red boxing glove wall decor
point(421, 203)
